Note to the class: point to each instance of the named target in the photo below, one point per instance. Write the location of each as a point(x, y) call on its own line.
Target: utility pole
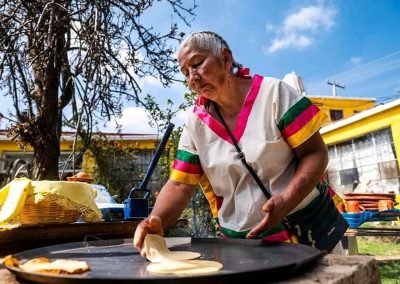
point(334, 85)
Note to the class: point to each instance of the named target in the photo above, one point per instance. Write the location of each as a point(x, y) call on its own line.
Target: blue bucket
point(138, 207)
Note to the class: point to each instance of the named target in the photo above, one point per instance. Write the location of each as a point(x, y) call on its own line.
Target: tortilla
point(157, 250)
point(43, 265)
point(188, 267)
point(169, 262)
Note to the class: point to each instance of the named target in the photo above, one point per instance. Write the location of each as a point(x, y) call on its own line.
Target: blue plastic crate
point(357, 219)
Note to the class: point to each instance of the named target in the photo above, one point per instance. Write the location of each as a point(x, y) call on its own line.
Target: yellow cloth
point(12, 199)
point(70, 195)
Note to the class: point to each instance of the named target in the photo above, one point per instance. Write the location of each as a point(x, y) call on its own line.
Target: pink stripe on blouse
point(211, 122)
point(187, 167)
point(300, 121)
point(244, 114)
point(247, 107)
point(278, 237)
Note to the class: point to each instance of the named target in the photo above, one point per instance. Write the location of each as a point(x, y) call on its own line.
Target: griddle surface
point(117, 261)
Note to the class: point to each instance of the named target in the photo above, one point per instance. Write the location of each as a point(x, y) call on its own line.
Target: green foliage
point(161, 118)
point(390, 272)
point(102, 164)
point(380, 246)
point(201, 224)
point(83, 59)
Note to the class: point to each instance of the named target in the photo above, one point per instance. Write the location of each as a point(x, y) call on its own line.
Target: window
point(349, 176)
point(344, 148)
point(388, 169)
point(331, 151)
point(364, 142)
point(336, 114)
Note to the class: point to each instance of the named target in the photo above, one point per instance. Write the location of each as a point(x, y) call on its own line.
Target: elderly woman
point(274, 127)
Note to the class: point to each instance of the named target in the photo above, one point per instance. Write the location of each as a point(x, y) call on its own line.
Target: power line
point(365, 65)
point(372, 72)
point(363, 72)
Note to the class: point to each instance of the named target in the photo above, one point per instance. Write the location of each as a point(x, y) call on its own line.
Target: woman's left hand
point(275, 209)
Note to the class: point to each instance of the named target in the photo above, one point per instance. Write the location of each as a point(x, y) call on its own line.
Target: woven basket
point(46, 212)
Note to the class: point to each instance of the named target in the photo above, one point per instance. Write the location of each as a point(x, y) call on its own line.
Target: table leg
point(352, 247)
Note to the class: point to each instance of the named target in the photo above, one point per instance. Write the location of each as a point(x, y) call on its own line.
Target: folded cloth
point(70, 195)
point(12, 199)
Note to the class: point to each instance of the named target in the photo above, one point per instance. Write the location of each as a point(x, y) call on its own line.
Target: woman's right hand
point(151, 225)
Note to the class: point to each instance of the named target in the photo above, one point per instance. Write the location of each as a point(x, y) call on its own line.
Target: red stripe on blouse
point(300, 121)
point(187, 167)
point(278, 237)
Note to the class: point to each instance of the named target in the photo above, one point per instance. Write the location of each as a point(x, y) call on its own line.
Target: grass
point(379, 246)
point(390, 272)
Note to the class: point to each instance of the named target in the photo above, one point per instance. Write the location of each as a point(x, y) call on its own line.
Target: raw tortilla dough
point(165, 261)
point(188, 267)
point(157, 251)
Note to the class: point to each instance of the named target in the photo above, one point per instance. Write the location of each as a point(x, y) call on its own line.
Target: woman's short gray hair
point(207, 40)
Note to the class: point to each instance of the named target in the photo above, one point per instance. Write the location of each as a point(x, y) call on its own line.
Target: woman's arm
point(172, 200)
point(313, 160)
point(170, 203)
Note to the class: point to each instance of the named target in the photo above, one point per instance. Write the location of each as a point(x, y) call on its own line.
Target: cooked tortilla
point(188, 267)
point(157, 250)
point(44, 265)
point(169, 262)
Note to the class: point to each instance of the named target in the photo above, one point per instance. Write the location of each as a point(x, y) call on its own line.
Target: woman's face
point(205, 73)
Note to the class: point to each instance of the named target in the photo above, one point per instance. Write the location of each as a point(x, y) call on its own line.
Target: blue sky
point(353, 42)
point(319, 40)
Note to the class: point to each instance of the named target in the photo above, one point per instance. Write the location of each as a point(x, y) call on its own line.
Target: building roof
point(340, 98)
point(116, 135)
point(69, 136)
point(360, 116)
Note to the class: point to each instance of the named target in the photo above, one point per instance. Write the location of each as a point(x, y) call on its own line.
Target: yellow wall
point(388, 118)
point(9, 146)
point(349, 106)
point(66, 144)
point(396, 138)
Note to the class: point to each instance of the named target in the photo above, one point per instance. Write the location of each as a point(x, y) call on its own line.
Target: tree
point(75, 62)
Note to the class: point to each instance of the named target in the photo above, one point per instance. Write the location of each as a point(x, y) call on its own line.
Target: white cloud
point(150, 81)
point(311, 18)
point(356, 60)
point(133, 120)
point(180, 117)
point(136, 120)
point(288, 41)
point(300, 28)
point(270, 27)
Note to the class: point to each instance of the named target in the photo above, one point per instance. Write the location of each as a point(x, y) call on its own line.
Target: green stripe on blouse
point(293, 113)
point(242, 235)
point(187, 157)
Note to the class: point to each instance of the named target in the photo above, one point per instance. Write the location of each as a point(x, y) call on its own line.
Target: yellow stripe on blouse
point(307, 131)
point(183, 177)
point(210, 195)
